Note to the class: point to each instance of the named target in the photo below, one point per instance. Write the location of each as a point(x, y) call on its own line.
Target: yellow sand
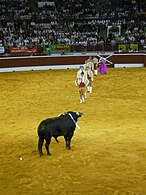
point(108, 155)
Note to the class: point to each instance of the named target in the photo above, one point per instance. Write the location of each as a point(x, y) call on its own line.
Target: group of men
point(85, 76)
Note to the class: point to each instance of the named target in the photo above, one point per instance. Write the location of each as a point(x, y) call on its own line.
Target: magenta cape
point(102, 68)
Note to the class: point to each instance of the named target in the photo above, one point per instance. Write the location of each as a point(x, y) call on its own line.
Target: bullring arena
point(108, 155)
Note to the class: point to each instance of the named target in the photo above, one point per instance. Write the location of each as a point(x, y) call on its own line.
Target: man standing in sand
point(82, 82)
point(89, 73)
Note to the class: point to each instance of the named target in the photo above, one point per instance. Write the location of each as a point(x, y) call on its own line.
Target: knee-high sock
point(90, 89)
point(95, 72)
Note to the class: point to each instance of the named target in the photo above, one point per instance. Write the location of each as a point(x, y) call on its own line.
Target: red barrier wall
point(69, 60)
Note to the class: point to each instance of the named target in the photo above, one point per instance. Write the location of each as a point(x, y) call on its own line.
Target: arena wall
point(72, 60)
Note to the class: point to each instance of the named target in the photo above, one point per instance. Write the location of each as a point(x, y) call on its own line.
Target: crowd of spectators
point(74, 22)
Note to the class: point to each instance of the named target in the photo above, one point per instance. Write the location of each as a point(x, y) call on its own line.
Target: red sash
point(82, 84)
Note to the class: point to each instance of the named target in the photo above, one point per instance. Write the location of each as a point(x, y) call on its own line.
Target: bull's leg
point(68, 141)
point(47, 145)
point(40, 144)
point(56, 138)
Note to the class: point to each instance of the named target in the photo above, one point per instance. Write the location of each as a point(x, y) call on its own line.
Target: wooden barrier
point(75, 59)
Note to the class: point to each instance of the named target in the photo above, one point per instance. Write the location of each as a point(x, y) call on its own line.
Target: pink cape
point(102, 68)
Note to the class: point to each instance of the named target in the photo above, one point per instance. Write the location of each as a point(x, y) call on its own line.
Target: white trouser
point(90, 90)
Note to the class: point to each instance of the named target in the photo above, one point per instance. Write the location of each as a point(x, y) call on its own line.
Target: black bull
point(63, 125)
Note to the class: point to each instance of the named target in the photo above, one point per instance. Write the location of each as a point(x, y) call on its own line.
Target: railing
point(65, 49)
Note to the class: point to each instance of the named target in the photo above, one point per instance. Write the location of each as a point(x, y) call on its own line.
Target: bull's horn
point(79, 113)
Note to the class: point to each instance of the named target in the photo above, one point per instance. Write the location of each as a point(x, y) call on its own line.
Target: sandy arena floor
point(108, 155)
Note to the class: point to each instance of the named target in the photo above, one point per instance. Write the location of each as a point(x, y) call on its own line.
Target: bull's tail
point(41, 138)
point(40, 144)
